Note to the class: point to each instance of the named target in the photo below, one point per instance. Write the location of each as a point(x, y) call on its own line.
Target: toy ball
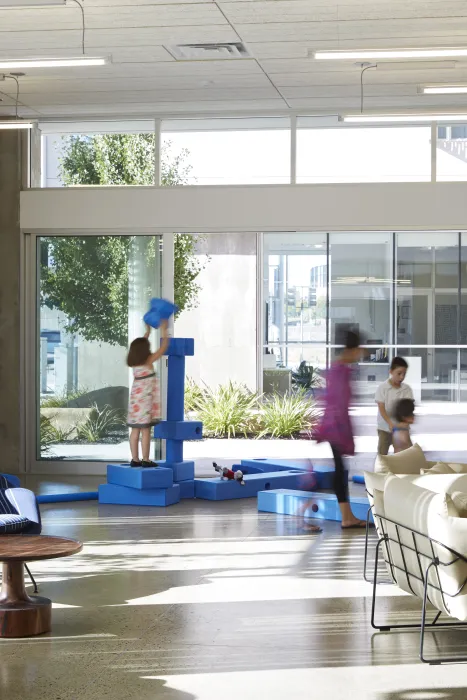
point(161, 310)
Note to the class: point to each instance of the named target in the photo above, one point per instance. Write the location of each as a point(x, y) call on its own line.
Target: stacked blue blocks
point(173, 479)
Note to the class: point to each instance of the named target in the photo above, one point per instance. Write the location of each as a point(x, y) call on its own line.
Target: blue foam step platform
point(124, 495)
point(187, 488)
point(324, 473)
point(139, 478)
point(224, 490)
point(323, 505)
point(182, 471)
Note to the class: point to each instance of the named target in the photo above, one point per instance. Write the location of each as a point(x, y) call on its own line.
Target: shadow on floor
point(426, 693)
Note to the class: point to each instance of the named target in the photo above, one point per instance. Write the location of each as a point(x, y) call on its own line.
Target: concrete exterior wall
point(224, 324)
point(10, 241)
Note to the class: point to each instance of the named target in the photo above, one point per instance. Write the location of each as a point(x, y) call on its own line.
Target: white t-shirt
point(389, 395)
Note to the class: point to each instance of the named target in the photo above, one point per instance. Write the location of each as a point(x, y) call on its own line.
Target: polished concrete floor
point(214, 601)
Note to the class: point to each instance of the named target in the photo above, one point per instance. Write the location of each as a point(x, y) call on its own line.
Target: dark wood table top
point(35, 547)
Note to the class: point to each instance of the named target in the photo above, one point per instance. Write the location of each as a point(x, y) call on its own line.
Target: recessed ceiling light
point(388, 118)
point(19, 124)
point(79, 61)
point(388, 54)
point(29, 3)
point(444, 89)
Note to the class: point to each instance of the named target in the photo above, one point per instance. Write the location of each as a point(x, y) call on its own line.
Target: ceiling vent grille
point(209, 52)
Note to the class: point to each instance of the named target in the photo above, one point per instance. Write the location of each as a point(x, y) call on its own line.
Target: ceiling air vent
point(208, 52)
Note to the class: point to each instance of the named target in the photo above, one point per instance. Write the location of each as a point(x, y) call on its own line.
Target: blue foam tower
point(175, 430)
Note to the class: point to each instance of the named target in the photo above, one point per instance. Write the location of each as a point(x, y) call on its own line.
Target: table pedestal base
point(20, 614)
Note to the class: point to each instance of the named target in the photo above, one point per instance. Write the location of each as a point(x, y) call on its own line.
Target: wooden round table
point(22, 615)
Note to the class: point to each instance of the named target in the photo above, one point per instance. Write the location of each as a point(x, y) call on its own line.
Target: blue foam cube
point(187, 488)
point(138, 477)
point(182, 471)
point(322, 505)
point(183, 347)
point(179, 430)
point(222, 489)
point(124, 495)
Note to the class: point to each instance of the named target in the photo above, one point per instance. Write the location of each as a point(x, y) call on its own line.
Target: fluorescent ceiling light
point(20, 124)
point(80, 61)
point(444, 89)
point(29, 3)
point(376, 54)
point(391, 118)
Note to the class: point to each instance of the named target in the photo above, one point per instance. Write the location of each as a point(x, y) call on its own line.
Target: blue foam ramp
point(324, 473)
point(139, 478)
point(124, 495)
point(67, 497)
point(322, 505)
point(182, 471)
point(358, 479)
point(223, 490)
point(187, 488)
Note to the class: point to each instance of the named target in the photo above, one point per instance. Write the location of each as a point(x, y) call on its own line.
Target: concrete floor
point(213, 601)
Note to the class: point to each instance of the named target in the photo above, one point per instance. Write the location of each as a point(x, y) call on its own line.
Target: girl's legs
point(341, 489)
point(146, 443)
point(134, 444)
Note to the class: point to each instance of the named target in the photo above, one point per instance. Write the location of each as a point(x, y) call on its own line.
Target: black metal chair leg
point(33, 581)
point(367, 534)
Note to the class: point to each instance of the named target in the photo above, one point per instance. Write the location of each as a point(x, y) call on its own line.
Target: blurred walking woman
point(335, 426)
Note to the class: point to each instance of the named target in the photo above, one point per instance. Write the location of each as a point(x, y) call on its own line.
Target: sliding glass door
point(90, 295)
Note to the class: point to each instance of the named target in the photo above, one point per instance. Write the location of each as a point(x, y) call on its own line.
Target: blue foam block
point(223, 490)
point(187, 488)
point(287, 502)
point(183, 347)
point(182, 471)
point(124, 495)
point(179, 430)
point(161, 310)
point(67, 497)
point(358, 479)
point(324, 473)
point(13, 480)
point(139, 478)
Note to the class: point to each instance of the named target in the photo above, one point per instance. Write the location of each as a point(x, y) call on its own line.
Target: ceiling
point(145, 80)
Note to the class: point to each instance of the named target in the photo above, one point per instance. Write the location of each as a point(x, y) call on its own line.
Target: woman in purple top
point(335, 426)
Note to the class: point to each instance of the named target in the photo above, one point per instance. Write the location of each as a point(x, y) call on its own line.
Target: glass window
point(451, 153)
point(98, 153)
point(344, 154)
point(226, 151)
point(85, 323)
point(361, 286)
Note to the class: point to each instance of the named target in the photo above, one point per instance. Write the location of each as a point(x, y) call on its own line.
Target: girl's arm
point(148, 331)
point(164, 345)
point(382, 410)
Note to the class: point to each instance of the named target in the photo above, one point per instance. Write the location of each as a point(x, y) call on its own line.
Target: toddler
point(404, 414)
point(387, 396)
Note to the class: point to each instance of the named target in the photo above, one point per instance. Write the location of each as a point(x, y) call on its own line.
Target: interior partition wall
point(405, 292)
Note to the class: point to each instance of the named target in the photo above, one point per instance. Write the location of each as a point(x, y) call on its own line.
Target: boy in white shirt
point(387, 396)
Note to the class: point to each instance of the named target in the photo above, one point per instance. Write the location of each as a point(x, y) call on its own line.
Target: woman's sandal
point(307, 527)
point(361, 525)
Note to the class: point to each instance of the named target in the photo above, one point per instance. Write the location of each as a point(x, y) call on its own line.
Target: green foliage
point(285, 416)
point(100, 424)
point(306, 377)
point(193, 395)
point(61, 400)
point(88, 276)
point(227, 411)
point(51, 435)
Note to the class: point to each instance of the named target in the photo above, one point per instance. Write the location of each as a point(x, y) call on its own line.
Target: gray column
point(11, 154)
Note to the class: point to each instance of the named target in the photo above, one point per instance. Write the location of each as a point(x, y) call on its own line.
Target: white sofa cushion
point(458, 468)
point(439, 468)
point(433, 514)
point(460, 501)
point(410, 461)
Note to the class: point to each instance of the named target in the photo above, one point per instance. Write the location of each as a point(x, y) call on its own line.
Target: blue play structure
point(173, 479)
point(323, 505)
point(161, 310)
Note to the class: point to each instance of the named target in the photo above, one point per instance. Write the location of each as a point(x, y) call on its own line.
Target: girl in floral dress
point(144, 406)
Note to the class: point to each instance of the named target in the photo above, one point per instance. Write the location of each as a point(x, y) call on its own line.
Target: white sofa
point(421, 522)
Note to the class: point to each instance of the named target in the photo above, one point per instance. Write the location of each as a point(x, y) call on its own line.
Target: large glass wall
point(92, 294)
point(405, 292)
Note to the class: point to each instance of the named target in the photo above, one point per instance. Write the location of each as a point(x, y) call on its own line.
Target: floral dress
point(144, 406)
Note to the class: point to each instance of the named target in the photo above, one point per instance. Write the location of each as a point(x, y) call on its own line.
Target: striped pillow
point(6, 508)
point(4, 483)
point(12, 524)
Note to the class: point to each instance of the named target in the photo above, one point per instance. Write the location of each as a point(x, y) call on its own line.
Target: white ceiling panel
point(144, 78)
